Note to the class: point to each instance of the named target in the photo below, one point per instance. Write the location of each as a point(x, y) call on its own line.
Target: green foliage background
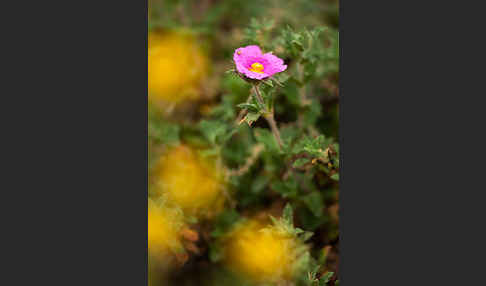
point(303, 173)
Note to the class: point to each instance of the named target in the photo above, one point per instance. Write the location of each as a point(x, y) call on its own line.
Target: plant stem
point(269, 117)
point(273, 125)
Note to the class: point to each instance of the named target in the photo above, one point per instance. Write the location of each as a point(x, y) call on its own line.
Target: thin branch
point(269, 117)
point(273, 125)
point(257, 149)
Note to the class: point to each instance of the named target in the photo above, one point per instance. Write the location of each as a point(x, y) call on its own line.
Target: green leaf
point(260, 106)
point(335, 176)
point(209, 152)
point(298, 230)
point(288, 214)
point(315, 270)
point(163, 132)
point(274, 220)
point(268, 82)
point(289, 134)
point(279, 83)
point(281, 77)
point(314, 202)
point(266, 137)
point(228, 135)
point(306, 235)
point(303, 262)
point(288, 189)
point(224, 222)
point(215, 253)
point(259, 184)
point(316, 31)
point(251, 117)
point(325, 278)
point(250, 106)
point(300, 162)
point(211, 129)
point(312, 112)
point(309, 221)
point(224, 111)
point(267, 24)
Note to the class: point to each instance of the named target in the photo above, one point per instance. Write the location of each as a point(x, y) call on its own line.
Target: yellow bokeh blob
point(176, 67)
point(259, 252)
point(190, 181)
point(163, 230)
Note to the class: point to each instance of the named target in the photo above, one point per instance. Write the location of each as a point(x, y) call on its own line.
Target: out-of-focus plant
point(163, 229)
point(187, 180)
point(176, 67)
point(169, 238)
point(267, 253)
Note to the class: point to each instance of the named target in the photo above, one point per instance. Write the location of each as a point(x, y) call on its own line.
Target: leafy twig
point(242, 113)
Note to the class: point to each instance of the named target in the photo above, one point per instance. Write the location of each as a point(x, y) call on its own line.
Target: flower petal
point(251, 50)
point(276, 64)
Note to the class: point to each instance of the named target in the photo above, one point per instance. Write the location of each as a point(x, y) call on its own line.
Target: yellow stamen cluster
point(256, 67)
point(259, 252)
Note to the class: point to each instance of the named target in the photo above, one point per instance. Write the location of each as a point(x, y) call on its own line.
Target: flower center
point(256, 67)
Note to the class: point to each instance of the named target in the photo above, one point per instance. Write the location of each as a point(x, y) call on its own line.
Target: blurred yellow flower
point(190, 182)
point(163, 229)
point(176, 67)
point(259, 252)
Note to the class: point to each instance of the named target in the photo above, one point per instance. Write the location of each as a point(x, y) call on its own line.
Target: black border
point(78, 172)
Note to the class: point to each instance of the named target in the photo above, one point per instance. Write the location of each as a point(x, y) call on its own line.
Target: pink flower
point(252, 63)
